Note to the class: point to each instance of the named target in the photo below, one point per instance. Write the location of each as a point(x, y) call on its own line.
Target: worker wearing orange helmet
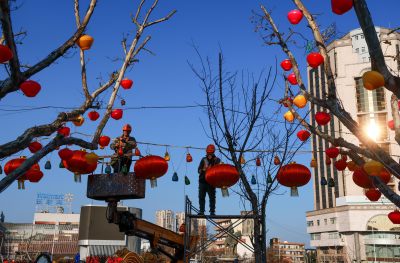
point(204, 188)
point(123, 147)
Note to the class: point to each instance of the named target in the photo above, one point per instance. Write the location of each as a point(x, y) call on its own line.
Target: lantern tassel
point(77, 177)
point(294, 191)
point(225, 192)
point(153, 183)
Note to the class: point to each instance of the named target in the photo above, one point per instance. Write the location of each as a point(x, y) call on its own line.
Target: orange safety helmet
point(127, 127)
point(210, 149)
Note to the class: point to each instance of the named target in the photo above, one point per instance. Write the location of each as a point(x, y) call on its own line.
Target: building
point(166, 219)
point(344, 225)
point(285, 252)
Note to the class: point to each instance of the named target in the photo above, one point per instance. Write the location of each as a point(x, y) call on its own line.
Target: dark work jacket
point(204, 165)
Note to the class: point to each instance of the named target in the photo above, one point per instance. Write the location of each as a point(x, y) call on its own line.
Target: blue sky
point(164, 79)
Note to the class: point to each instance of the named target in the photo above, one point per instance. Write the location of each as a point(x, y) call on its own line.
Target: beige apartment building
point(284, 251)
point(344, 225)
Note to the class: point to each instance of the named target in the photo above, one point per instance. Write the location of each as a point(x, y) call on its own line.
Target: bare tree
point(129, 52)
point(369, 149)
point(243, 122)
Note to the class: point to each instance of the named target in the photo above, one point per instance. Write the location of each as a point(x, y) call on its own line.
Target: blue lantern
point(253, 179)
point(175, 177)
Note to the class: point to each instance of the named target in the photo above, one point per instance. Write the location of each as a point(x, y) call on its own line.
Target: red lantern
point(361, 178)
point(322, 118)
point(303, 135)
point(344, 157)
point(222, 176)
point(373, 194)
point(286, 101)
point(286, 65)
point(5, 54)
point(385, 176)
point(292, 79)
point(35, 146)
point(293, 175)
point(137, 152)
point(126, 83)
point(30, 88)
point(93, 115)
point(295, 16)
point(394, 216)
point(64, 131)
point(65, 154)
point(151, 167)
point(332, 152)
point(104, 141)
point(341, 165)
point(315, 59)
point(340, 7)
point(116, 114)
point(391, 125)
point(189, 158)
point(78, 163)
point(33, 174)
point(258, 161)
point(328, 161)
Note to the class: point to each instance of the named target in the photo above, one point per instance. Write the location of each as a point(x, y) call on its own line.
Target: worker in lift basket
point(123, 147)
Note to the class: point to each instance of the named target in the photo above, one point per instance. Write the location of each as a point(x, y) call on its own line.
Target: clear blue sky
point(164, 79)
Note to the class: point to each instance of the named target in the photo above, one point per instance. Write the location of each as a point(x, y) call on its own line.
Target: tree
point(17, 75)
point(242, 122)
point(369, 149)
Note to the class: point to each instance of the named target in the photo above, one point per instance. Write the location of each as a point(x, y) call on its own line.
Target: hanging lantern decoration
point(93, 115)
point(85, 42)
point(303, 135)
point(322, 118)
point(222, 176)
point(269, 178)
point(104, 141)
point(331, 182)
point(292, 79)
point(258, 161)
point(30, 88)
point(332, 152)
point(341, 165)
point(384, 175)
point(64, 131)
point(373, 194)
point(287, 101)
point(187, 181)
point(300, 101)
point(35, 146)
point(328, 161)
point(116, 114)
point(253, 180)
point(344, 157)
point(293, 175)
point(315, 59)
point(137, 152)
point(175, 177)
point(295, 16)
point(47, 165)
point(289, 116)
point(286, 65)
point(340, 7)
point(351, 165)
point(313, 163)
point(189, 158)
point(123, 102)
point(126, 83)
point(361, 178)
point(394, 216)
point(323, 181)
point(33, 174)
point(151, 167)
point(277, 161)
point(167, 157)
point(79, 121)
point(182, 228)
point(79, 165)
point(391, 125)
point(242, 160)
point(91, 158)
point(61, 165)
point(5, 54)
point(373, 80)
point(65, 154)
point(107, 170)
point(373, 167)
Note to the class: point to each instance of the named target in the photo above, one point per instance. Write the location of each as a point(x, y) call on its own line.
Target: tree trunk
point(259, 237)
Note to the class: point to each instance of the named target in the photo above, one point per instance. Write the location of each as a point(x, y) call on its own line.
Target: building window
point(326, 221)
point(334, 235)
point(318, 222)
point(362, 49)
point(357, 50)
point(333, 220)
point(316, 236)
point(362, 36)
point(310, 223)
point(356, 37)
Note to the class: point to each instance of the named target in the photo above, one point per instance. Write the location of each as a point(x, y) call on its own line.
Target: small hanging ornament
point(189, 158)
point(175, 177)
point(1, 169)
point(288, 116)
point(328, 161)
point(187, 181)
point(123, 102)
point(269, 178)
point(253, 180)
point(313, 163)
point(137, 152)
point(277, 161)
point(107, 170)
point(323, 181)
point(61, 165)
point(167, 157)
point(47, 165)
point(258, 161)
point(331, 182)
point(295, 16)
point(242, 160)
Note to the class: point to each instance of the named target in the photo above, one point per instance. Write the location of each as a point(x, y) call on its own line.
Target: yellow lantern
point(242, 160)
point(300, 101)
point(79, 120)
point(289, 116)
point(85, 42)
point(373, 167)
point(91, 158)
point(373, 80)
point(352, 166)
point(313, 163)
point(166, 156)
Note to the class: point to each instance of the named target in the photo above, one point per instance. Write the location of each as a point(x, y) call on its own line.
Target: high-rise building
point(166, 219)
point(284, 251)
point(344, 225)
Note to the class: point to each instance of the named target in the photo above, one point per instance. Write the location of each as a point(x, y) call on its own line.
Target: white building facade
point(344, 225)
